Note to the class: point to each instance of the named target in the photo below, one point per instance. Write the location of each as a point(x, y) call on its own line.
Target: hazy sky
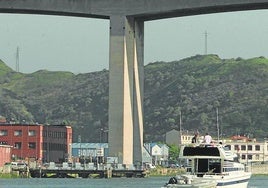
point(81, 45)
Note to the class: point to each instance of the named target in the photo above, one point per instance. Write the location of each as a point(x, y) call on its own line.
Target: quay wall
point(259, 169)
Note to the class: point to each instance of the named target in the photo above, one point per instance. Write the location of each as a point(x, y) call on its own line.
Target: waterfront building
point(248, 150)
point(90, 149)
point(90, 152)
point(158, 152)
point(44, 143)
point(175, 137)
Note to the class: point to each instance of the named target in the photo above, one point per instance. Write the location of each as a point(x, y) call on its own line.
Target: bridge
point(126, 58)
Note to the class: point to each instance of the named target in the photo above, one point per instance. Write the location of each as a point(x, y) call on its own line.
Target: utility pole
point(180, 129)
point(206, 42)
point(217, 121)
point(18, 60)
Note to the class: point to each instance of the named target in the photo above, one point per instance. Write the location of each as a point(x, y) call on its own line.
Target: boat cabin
point(208, 159)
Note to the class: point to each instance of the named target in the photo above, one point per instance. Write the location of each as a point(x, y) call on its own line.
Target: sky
point(81, 45)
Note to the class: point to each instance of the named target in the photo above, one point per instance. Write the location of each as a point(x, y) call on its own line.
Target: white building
point(248, 150)
point(158, 152)
point(102, 150)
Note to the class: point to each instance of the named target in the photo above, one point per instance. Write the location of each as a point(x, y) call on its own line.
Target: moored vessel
point(215, 162)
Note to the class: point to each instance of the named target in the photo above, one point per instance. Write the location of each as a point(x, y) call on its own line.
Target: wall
point(5, 154)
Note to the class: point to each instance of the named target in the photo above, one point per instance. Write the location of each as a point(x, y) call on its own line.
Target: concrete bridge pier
point(126, 89)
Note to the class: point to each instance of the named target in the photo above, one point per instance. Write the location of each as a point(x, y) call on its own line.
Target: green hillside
point(196, 86)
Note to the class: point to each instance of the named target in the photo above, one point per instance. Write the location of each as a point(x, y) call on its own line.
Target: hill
point(196, 86)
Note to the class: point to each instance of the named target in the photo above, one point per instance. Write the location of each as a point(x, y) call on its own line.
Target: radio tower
point(18, 60)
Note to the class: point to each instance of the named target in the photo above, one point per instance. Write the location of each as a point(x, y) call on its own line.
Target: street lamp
point(264, 146)
point(101, 133)
point(79, 141)
point(100, 151)
point(100, 147)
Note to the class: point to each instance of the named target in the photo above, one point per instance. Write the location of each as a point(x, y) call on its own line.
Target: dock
point(84, 173)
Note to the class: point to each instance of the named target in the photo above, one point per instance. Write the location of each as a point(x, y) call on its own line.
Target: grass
point(9, 175)
point(159, 171)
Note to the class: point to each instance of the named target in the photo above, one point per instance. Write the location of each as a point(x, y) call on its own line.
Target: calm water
point(152, 182)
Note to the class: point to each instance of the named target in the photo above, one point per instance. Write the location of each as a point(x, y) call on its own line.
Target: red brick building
point(41, 142)
point(5, 154)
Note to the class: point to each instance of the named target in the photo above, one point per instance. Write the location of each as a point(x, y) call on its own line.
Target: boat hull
point(238, 181)
point(191, 182)
point(190, 186)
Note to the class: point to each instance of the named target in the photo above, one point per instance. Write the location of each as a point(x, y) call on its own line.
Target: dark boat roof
point(206, 151)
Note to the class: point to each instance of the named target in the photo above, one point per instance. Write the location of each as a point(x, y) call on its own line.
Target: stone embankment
point(259, 168)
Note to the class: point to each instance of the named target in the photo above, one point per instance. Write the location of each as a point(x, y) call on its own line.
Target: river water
point(151, 182)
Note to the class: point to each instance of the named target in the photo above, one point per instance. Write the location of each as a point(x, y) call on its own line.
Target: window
point(257, 148)
point(17, 145)
point(243, 157)
point(3, 132)
point(31, 133)
point(243, 147)
point(250, 157)
point(32, 145)
point(250, 147)
point(236, 147)
point(3, 142)
point(17, 132)
point(257, 157)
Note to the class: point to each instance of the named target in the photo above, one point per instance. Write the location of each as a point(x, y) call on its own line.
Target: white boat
point(189, 181)
point(215, 162)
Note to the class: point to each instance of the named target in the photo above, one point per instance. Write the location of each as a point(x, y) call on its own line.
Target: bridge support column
point(126, 89)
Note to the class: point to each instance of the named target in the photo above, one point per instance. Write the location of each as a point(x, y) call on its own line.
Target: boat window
point(227, 147)
point(232, 169)
point(201, 151)
point(208, 166)
point(215, 166)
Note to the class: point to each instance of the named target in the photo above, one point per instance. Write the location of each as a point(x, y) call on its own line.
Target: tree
point(174, 152)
